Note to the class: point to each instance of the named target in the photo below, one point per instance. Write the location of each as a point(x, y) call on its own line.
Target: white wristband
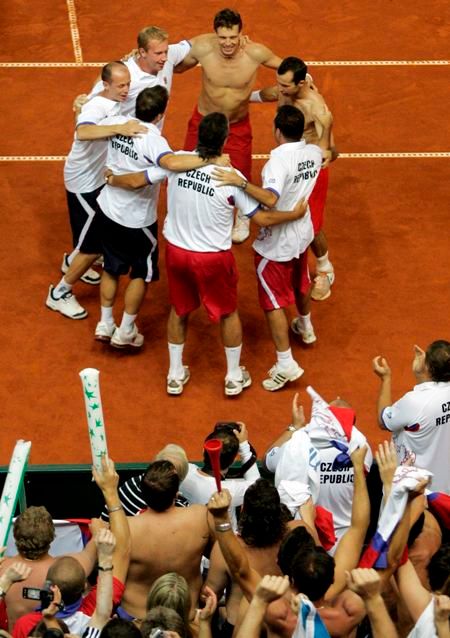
point(244, 451)
point(255, 96)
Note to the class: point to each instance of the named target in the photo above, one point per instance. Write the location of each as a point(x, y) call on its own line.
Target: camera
point(45, 596)
point(227, 426)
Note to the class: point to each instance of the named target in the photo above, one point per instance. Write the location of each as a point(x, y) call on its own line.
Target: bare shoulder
point(202, 45)
point(258, 52)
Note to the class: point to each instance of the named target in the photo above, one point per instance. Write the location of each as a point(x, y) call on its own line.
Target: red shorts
point(317, 200)
point(279, 282)
point(238, 144)
point(207, 278)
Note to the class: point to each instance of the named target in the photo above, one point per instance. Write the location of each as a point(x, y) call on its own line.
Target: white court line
point(61, 158)
point(74, 31)
point(81, 64)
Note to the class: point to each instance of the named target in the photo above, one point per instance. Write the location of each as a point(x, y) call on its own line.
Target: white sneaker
point(234, 387)
point(104, 331)
point(321, 289)
point(308, 336)
point(127, 339)
point(241, 229)
point(278, 377)
point(91, 276)
point(176, 386)
point(67, 305)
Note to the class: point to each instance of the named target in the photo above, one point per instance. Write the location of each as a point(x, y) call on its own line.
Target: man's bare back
point(227, 80)
point(161, 542)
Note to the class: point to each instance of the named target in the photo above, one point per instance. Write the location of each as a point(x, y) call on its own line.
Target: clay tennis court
point(385, 73)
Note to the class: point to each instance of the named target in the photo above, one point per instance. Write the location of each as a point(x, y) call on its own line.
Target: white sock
point(233, 356)
point(61, 289)
point(324, 264)
point(176, 370)
point(107, 315)
point(285, 359)
point(305, 322)
point(127, 322)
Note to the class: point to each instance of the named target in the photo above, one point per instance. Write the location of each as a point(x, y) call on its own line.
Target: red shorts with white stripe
point(202, 278)
point(238, 144)
point(317, 200)
point(280, 281)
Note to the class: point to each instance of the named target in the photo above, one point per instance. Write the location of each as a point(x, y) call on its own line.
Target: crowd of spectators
point(331, 541)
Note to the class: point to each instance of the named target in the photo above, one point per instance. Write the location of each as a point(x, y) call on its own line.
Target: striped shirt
point(130, 495)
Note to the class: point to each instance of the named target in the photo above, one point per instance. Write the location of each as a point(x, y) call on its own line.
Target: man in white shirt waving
point(420, 420)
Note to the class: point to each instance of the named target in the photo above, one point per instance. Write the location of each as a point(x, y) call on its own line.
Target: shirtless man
point(33, 532)
point(229, 65)
point(294, 86)
point(164, 538)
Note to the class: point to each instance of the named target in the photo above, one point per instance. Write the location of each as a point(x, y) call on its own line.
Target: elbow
point(271, 199)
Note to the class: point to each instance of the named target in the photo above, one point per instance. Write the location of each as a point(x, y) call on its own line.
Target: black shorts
point(130, 250)
point(84, 221)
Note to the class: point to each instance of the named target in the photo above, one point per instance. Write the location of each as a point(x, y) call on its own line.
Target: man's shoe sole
point(79, 316)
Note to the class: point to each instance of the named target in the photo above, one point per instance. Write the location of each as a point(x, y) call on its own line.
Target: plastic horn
point(11, 489)
point(94, 413)
point(213, 447)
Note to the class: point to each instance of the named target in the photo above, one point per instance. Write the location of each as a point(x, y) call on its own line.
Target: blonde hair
point(171, 590)
point(172, 452)
point(150, 33)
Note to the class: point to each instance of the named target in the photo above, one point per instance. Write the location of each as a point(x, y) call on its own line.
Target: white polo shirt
point(133, 208)
point(420, 423)
point(200, 212)
point(142, 80)
point(85, 164)
point(290, 173)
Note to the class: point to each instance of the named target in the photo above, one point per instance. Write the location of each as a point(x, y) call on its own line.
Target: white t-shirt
point(142, 80)
point(200, 213)
point(198, 488)
point(133, 208)
point(336, 487)
point(290, 173)
point(420, 423)
point(425, 627)
point(85, 164)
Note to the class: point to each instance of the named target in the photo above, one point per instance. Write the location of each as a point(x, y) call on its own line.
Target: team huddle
point(119, 157)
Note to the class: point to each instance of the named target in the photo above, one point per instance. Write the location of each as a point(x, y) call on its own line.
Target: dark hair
point(159, 485)
point(212, 133)
point(290, 121)
point(33, 532)
point(107, 70)
point(437, 360)
point(163, 618)
point(227, 18)
point(262, 522)
point(67, 573)
point(439, 568)
point(40, 629)
point(120, 628)
point(312, 572)
point(298, 539)
point(151, 102)
point(230, 447)
point(297, 66)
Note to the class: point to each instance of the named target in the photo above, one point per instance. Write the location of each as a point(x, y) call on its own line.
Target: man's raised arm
point(349, 548)
point(236, 558)
point(383, 371)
